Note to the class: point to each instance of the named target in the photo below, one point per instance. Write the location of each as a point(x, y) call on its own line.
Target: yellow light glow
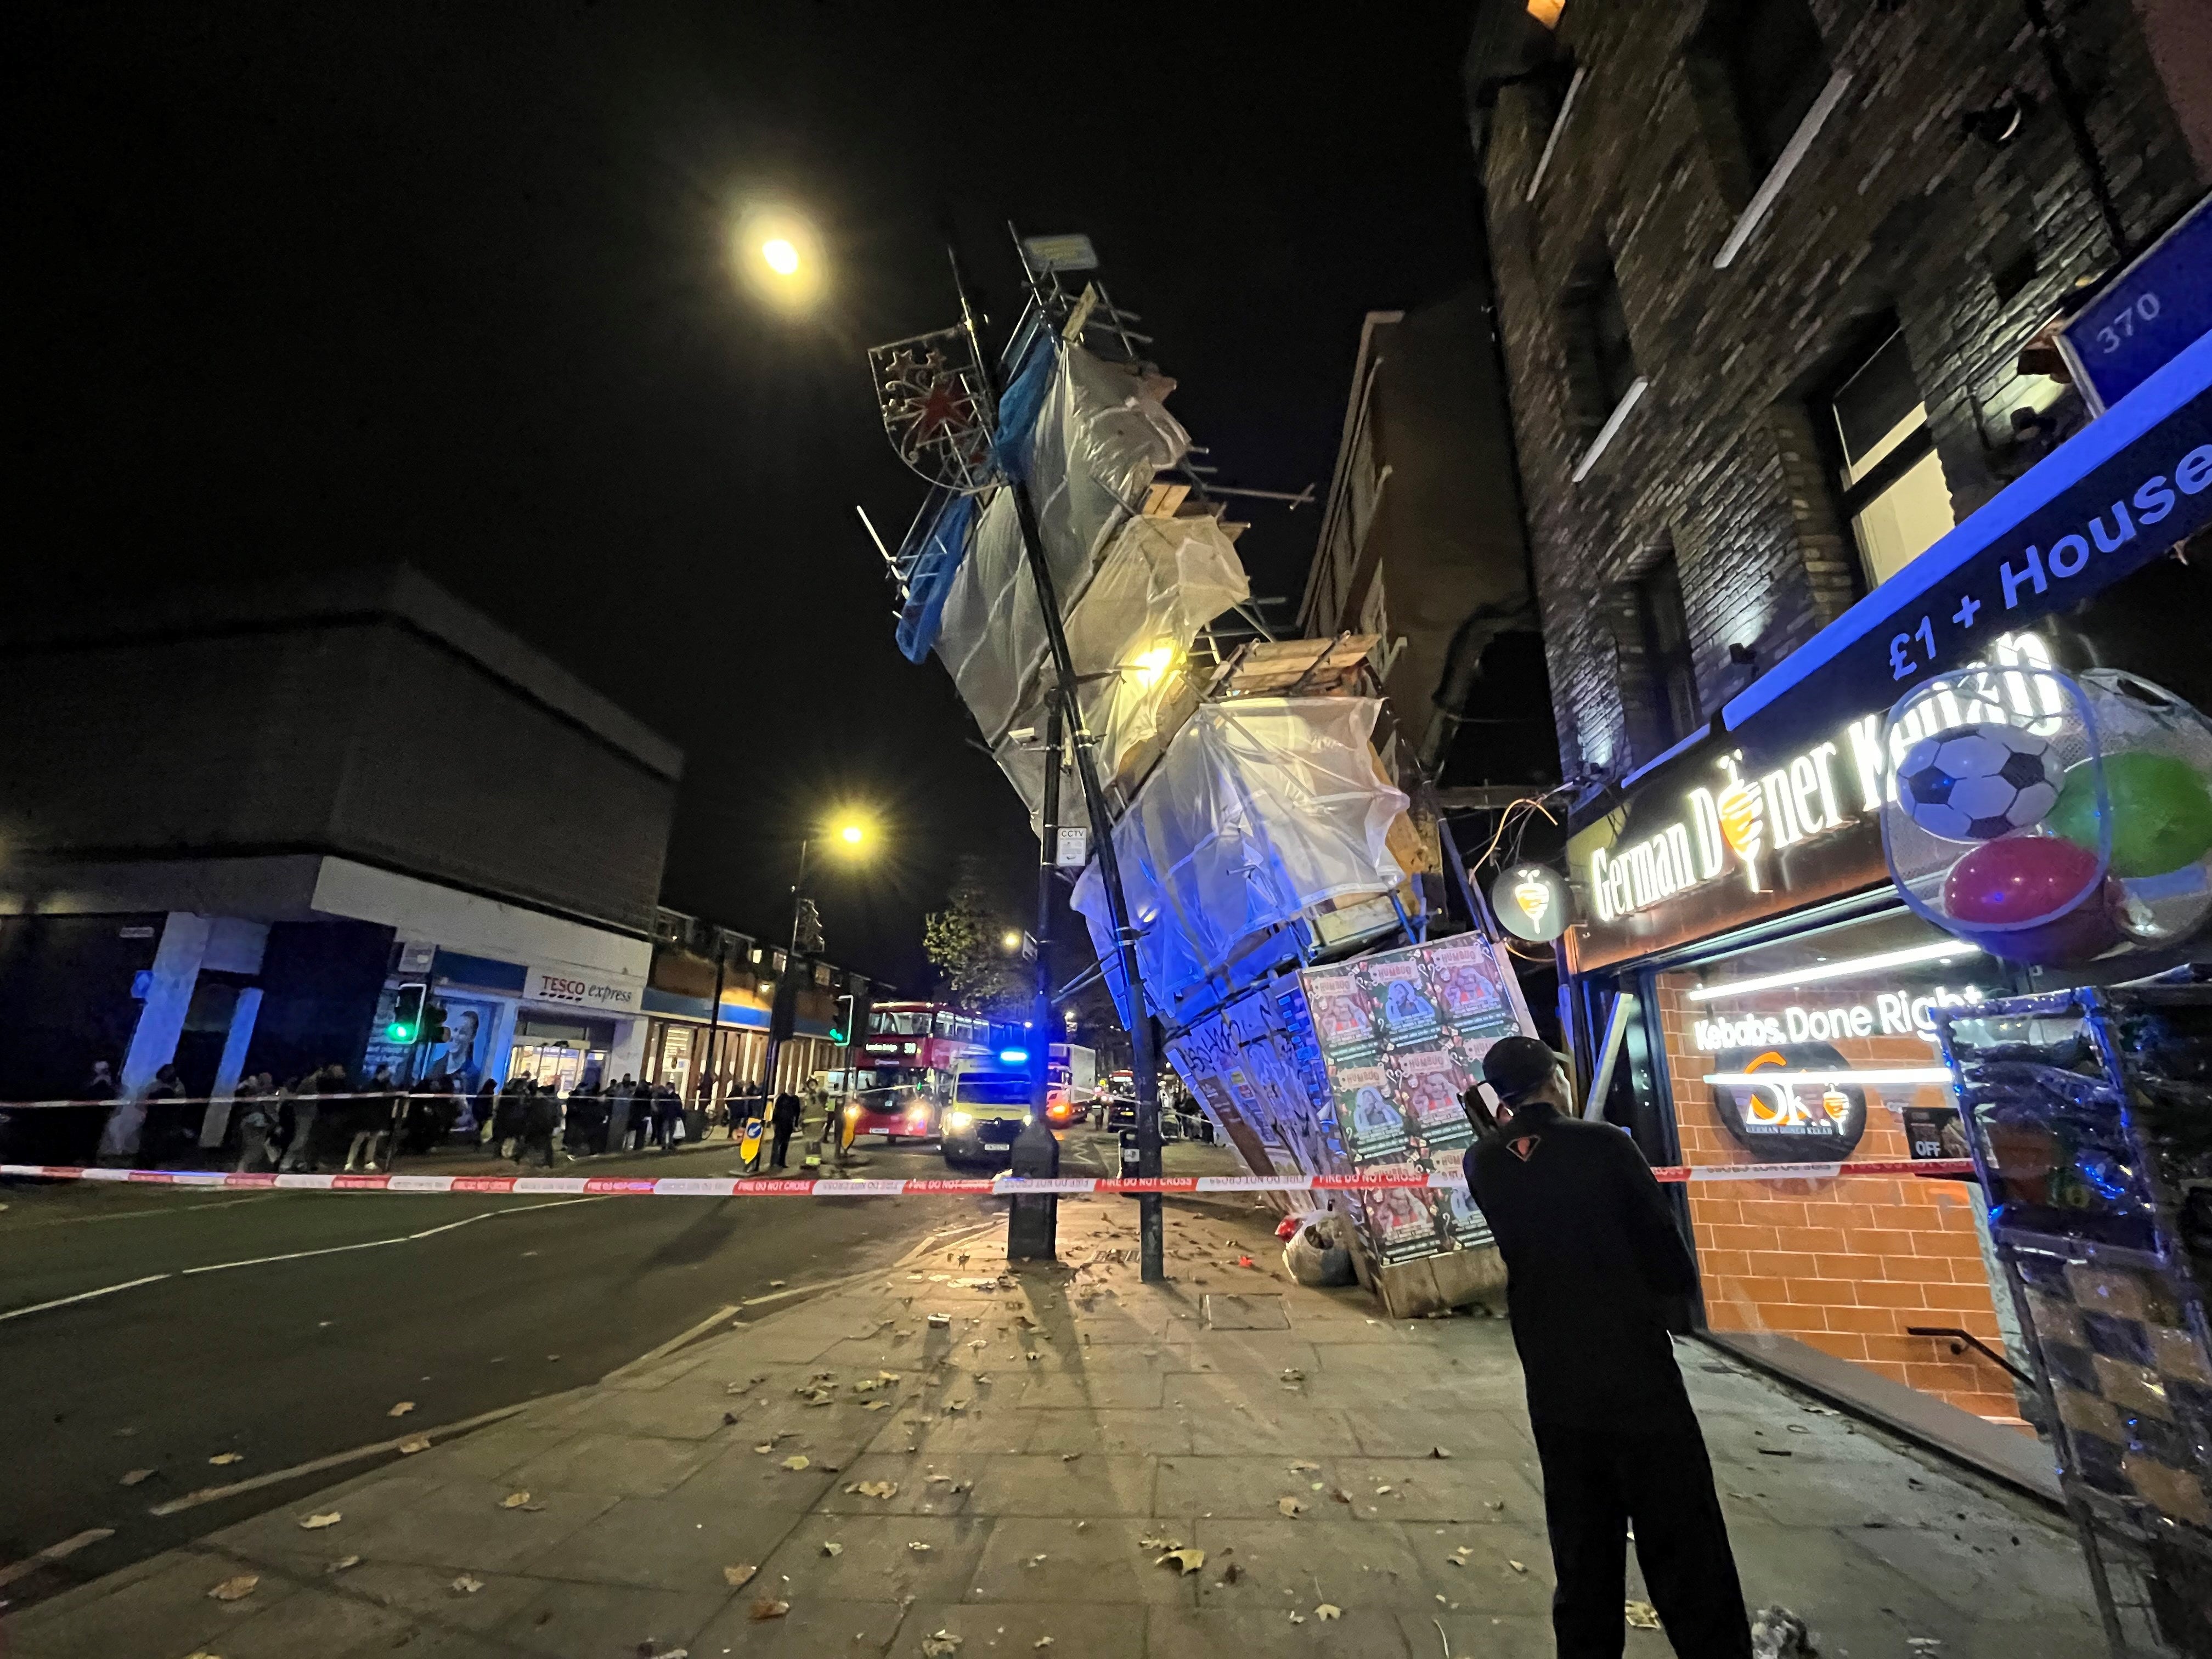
point(777, 257)
point(1151, 665)
point(851, 835)
point(782, 257)
point(1010, 939)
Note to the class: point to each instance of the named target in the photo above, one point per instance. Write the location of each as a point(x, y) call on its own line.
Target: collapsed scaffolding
point(1281, 902)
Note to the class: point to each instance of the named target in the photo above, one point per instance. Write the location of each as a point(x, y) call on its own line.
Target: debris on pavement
point(133, 1477)
point(1642, 1615)
point(872, 1488)
point(420, 1443)
point(1186, 1560)
point(737, 1577)
point(937, 1646)
point(221, 1458)
point(342, 1563)
point(1778, 1633)
point(468, 1584)
point(1328, 1610)
point(235, 1589)
point(832, 1549)
point(797, 1461)
point(401, 1409)
point(1517, 1566)
point(1439, 1451)
point(317, 1522)
point(767, 1609)
point(515, 1500)
point(1291, 1507)
point(917, 1547)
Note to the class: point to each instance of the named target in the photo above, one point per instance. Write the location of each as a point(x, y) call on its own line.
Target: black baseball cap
point(1516, 1065)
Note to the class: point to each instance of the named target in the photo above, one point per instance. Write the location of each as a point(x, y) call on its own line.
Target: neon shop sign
point(1890, 1014)
point(1740, 822)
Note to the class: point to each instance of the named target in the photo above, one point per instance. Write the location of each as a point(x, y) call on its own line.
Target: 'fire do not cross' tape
point(1001, 1186)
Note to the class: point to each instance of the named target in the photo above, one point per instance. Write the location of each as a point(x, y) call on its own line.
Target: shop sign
point(1531, 903)
point(1720, 839)
point(1790, 1123)
point(1887, 1014)
point(1934, 1132)
point(2146, 315)
point(552, 985)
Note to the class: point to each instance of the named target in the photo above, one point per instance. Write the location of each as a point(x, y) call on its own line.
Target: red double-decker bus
point(907, 1063)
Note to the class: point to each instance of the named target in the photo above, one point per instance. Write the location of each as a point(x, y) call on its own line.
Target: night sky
point(309, 285)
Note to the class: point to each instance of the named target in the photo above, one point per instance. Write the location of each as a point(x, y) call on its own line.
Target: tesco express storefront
point(1734, 914)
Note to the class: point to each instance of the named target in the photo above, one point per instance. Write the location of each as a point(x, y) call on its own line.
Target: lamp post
point(851, 835)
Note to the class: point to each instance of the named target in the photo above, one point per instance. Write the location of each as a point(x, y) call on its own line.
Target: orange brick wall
point(1844, 1265)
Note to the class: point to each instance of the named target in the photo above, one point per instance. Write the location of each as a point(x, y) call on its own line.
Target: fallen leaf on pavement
point(401, 1409)
point(1041, 1642)
point(317, 1522)
point(1188, 1560)
point(468, 1584)
point(833, 1549)
point(737, 1577)
point(937, 1646)
point(220, 1458)
point(342, 1563)
point(233, 1589)
point(515, 1500)
point(1290, 1506)
point(1642, 1615)
point(135, 1476)
point(1439, 1451)
point(767, 1609)
point(1159, 1543)
point(918, 1547)
point(877, 1406)
point(799, 1462)
point(1297, 1618)
point(420, 1443)
point(873, 1488)
point(1328, 1610)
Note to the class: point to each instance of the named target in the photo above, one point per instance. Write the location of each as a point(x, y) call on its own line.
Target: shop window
point(1770, 61)
point(1666, 632)
point(1820, 1048)
point(1894, 494)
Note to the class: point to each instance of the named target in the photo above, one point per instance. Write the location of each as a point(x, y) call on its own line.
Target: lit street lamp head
point(777, 257)
point(851, 835)
point(782, 257)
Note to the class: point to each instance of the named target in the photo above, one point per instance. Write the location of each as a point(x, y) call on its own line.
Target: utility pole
point(1151, 1236)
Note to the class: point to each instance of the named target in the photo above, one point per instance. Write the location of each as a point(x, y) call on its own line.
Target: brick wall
point(1843, 1265)
point(1894, 209)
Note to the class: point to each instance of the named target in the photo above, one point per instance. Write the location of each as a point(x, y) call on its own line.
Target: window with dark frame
point(1893, 493)
point(1665, 628)
point(1601, 360)
point(1770, 53)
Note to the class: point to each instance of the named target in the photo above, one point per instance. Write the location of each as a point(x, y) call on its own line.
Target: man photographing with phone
point(1597, 1275)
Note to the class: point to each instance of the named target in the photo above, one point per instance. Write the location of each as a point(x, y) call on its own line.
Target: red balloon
point(2018, 879)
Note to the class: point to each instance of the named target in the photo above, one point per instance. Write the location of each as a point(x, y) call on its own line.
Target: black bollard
point(1034, 1222)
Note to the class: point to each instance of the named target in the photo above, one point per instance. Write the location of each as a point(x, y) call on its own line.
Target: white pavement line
point(672, 1344)
point(82, 1296)
point(31, 1564)
point(192, 1500)
point(295, 1255)
point(800, 1290)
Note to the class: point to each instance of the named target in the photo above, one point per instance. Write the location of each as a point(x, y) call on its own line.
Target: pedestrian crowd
point(323, 1120)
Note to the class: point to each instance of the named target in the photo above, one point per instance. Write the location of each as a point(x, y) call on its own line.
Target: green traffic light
point(398, 1033)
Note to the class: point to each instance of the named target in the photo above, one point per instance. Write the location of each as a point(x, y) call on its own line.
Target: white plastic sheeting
point(1101, 434)
point(1129, 637)
point(1262, 808)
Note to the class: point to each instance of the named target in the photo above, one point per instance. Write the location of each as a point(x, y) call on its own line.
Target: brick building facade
point(1705, 216)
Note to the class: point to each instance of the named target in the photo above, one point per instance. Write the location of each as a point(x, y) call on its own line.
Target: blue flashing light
point(1013, 1057)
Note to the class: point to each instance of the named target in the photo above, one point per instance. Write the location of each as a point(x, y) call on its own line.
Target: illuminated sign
point(1888, 1013)
point(1796, 826)
point(1532, 902)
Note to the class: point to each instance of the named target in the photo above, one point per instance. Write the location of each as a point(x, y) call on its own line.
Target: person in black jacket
point(1597, 1274)
point(787, 1112)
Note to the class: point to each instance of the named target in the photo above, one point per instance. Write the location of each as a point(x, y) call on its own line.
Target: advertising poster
point(1401, 1035)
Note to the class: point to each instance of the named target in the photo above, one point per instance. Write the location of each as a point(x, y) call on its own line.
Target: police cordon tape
point(1001, 1186)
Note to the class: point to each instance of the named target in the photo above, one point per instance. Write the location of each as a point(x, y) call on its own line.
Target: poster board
point(1400, 1035)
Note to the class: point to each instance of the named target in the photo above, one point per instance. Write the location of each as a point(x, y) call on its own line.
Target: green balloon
point(2161, 812)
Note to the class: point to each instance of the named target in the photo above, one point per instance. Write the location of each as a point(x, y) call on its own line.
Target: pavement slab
point(1138, 1426)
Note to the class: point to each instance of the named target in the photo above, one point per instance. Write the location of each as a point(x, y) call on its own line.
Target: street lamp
point(778, 256)
point(851, 835)
point(1010, 941)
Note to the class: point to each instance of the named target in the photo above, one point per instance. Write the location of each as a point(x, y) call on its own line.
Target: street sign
point(1073, 251)
point(1071, 849)
point(2146, 315)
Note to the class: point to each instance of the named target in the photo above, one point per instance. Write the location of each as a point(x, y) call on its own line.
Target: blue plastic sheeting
point(931, 579)
point(1018, 414)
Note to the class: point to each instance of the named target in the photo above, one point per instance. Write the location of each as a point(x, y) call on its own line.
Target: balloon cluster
point(2050, 818)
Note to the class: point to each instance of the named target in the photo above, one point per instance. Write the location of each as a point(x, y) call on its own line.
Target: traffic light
point(433, 1024)
point(809, 932)
point(406, 1024)
point(841, 1025)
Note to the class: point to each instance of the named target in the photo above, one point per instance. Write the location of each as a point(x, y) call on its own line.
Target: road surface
point(288, 1325)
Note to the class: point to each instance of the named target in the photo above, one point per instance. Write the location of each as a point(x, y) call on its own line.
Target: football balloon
point(1978, 782)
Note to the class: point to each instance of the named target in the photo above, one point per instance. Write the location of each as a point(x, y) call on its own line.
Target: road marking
point(31, 1564)
point(192, 1500)
point(83, 1296)
point(378, 1243)
point(672, 1344)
